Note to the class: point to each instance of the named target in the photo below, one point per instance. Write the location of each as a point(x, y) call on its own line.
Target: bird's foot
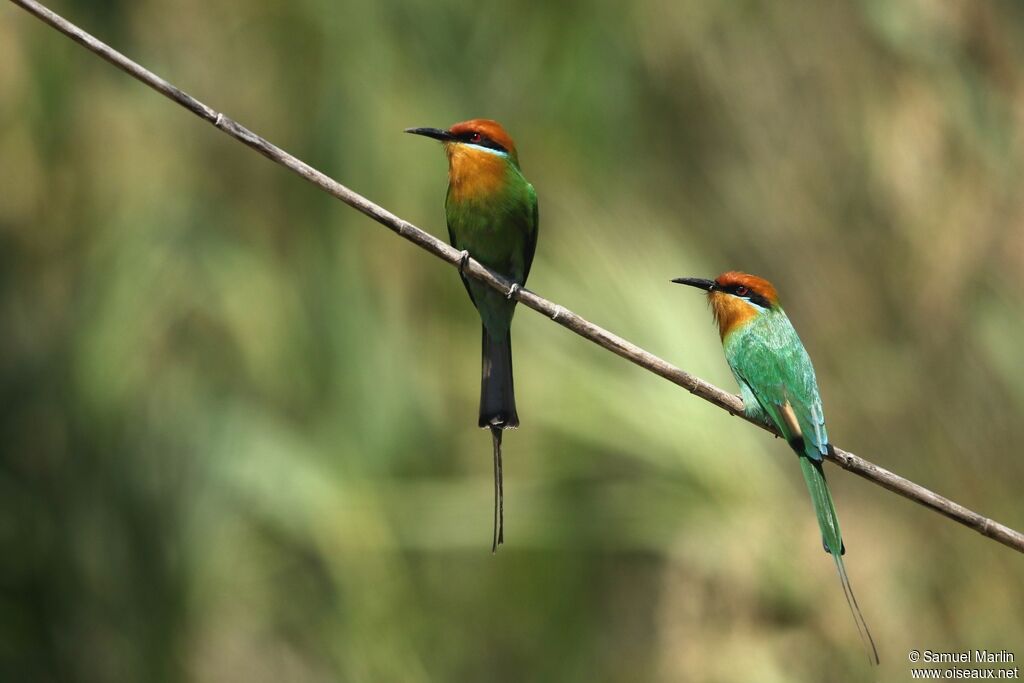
point(512, 290)
point(463, 260)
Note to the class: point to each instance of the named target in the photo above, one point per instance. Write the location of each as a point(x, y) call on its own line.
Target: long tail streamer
point(499, 493)
point(832, 539)
point(858, 618)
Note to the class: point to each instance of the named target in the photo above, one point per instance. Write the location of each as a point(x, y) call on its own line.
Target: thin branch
point(562, 316)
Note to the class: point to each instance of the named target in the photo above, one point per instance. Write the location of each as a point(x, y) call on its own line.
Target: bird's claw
point(463, 260)
point(512, 290)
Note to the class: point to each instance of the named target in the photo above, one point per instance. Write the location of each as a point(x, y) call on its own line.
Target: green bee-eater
point(778, 386)
point(492, 216)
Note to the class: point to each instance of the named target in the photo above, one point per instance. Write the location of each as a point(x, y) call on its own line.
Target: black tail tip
point(842, 546)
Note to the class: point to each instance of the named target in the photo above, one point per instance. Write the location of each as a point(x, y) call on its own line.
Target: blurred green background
point(238, 419)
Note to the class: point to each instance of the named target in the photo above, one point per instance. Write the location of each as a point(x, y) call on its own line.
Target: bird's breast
point(475, 174)
point(730, 313)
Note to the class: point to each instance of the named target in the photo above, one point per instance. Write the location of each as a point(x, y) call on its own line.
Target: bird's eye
point(475, 137)
point(742, 291)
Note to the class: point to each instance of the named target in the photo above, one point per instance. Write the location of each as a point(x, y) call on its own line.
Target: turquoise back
point(773, 368)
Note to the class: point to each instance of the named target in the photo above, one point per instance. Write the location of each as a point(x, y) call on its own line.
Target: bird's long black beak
point(435, 133)
point(699, 283)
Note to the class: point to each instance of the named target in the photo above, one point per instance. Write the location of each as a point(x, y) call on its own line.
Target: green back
point(772, 367)
point(500, 231)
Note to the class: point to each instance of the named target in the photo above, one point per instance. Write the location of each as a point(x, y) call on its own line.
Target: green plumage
point(773, 371)
point(499, 229)
point(492, 217)
point(775, 374)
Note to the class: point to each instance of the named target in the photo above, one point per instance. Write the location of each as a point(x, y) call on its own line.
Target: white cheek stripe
point(748, 301)
point(496, 152)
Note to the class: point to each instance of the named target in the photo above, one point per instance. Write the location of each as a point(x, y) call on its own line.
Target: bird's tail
point(832, 539)
point(497, 394)
point(497, 412)
point(499, 492)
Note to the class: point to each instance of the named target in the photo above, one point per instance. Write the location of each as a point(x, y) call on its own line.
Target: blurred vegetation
point(238, 419)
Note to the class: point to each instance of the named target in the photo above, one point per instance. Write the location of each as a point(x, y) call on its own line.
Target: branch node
point(559, 310)
point(463, 260)
point(219, 120)
point(512, 290)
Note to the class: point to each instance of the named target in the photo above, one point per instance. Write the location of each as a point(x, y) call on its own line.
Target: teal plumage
point(778, 387)
point(773, 368)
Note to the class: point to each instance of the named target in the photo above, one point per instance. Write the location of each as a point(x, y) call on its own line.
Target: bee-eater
point(778, 387)
point(492, 215)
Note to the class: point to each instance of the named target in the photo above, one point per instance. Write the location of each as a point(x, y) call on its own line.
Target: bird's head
point(473, 140)
point(736, 298)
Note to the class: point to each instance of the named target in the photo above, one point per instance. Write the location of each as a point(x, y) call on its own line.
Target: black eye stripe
point(759, 300)
point(751, 296)
point(484, 141)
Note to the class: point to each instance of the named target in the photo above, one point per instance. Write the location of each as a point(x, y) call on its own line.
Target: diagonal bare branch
point(586, 329)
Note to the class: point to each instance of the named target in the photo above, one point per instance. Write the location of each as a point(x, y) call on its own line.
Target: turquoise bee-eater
point(492, 216)
point(778, 386)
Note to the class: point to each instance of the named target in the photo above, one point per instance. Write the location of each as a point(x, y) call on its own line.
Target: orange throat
point(730, 313)
point(474, 173)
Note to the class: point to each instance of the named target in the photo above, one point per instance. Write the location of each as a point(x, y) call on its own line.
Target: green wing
point(531, 236)
point(499, 231)
point(771, 364)
point(774, 370)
